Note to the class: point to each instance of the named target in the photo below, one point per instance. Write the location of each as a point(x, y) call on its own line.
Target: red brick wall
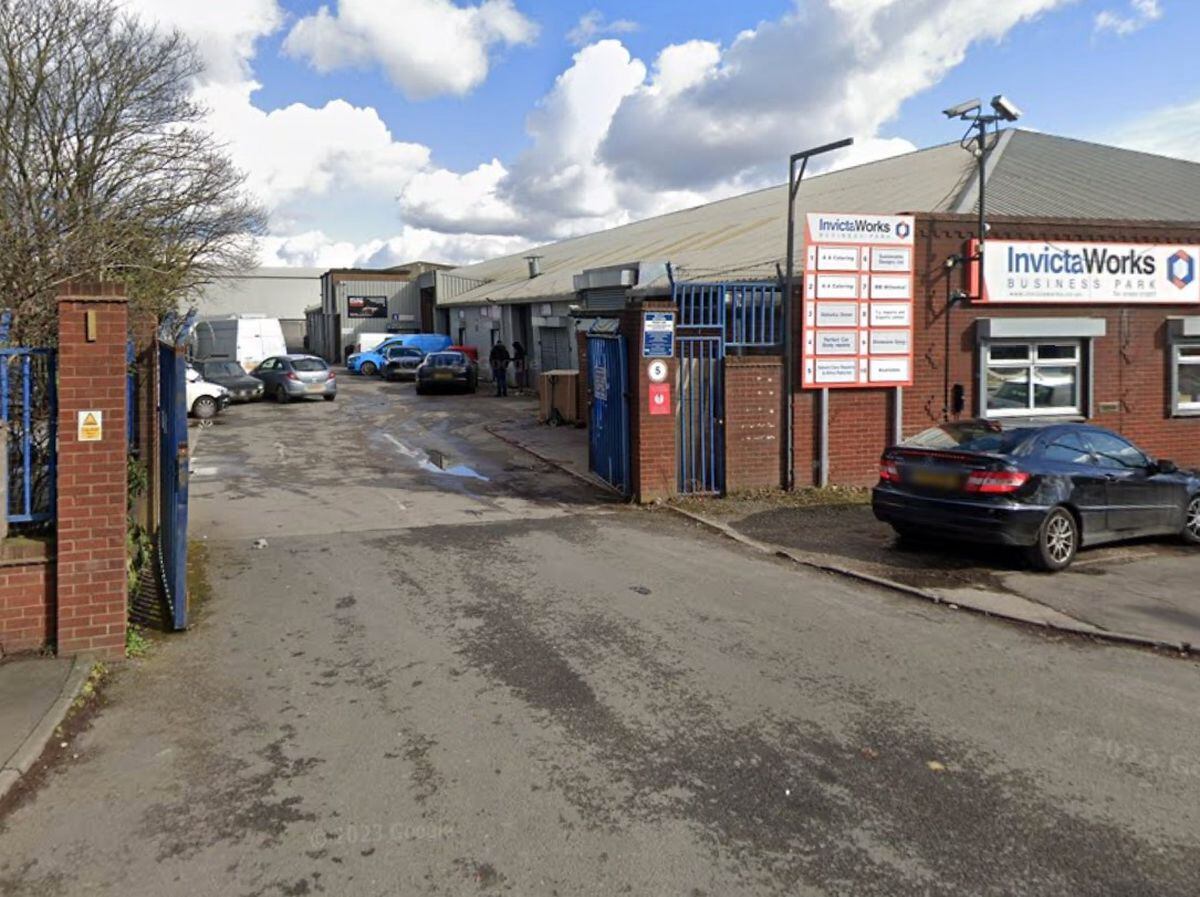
point(26, 596)
point(91, 587)
point(753, 422)
point(652, 437)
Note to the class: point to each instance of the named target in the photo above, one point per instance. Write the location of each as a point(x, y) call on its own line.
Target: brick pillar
point(91, 474)
point(651, 437)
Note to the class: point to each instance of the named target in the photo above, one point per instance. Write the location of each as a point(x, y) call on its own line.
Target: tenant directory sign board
point(858, 301)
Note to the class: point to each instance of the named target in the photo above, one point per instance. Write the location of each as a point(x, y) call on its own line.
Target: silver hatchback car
point(287, 377)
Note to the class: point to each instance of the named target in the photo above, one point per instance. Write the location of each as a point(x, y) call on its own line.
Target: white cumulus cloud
point(593, 24)
point(426, 47)
point(224, 31)
point(1139, 14)
point(827, 70)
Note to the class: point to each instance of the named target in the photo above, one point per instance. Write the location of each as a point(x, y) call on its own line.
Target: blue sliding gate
point(174, 461)
point(608, 424)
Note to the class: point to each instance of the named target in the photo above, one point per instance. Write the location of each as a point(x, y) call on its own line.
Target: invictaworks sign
point(1021, 271)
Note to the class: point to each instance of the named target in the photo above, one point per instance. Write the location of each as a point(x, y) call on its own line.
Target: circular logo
point(657, 371)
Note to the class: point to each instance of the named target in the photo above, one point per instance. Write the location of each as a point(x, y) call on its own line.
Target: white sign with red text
point(858, 301)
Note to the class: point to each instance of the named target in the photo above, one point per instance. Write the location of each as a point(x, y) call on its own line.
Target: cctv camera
point(1005, 108)
point(962, 109)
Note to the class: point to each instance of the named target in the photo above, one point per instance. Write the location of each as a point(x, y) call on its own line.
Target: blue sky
point(377, 130)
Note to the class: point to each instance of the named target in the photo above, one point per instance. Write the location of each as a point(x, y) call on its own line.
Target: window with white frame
point(1186, 377)
point(1033, 378)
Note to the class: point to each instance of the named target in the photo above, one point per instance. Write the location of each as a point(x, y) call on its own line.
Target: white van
point(246, 339)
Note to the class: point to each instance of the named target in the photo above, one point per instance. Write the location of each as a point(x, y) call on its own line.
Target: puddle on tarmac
point(433, 461)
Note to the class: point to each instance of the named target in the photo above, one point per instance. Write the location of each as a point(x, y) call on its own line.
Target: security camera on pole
point(975, 141)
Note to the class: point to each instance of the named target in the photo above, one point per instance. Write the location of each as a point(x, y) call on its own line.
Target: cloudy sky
point(382, 131)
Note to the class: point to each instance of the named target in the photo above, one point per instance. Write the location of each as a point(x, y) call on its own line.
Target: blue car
point(372, 361)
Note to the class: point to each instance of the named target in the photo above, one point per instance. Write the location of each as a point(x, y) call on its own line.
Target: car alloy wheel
point(281, 395)
point(1191, 527)
point(368, 369)
point(204, 407)
point(1057, 542)
point(1060, 538)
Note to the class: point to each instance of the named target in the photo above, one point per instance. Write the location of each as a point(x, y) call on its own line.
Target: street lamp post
point(789, 349)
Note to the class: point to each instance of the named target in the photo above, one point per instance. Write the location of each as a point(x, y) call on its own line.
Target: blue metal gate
point(608, 424)
point(29, 414)
point(700, 417)
point(173, 465)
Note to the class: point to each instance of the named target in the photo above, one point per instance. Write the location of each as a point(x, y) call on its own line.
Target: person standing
point(499, 360)
point(519, 365)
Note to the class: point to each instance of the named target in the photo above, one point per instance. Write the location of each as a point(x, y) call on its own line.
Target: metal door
point(554, 344)
point(608, 424)
point(173, 466)
point(700, 416)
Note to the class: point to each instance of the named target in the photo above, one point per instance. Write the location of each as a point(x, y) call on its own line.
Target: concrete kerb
point(581, 477)
point(33, 745)
point(1074, 628)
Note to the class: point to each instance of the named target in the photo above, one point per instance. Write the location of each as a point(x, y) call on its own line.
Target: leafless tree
point(106, 168)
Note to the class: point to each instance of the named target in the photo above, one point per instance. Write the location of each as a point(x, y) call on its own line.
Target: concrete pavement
point(35, 695)
point(433, 683)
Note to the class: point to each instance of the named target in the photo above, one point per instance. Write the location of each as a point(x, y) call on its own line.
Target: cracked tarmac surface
point(431, 684)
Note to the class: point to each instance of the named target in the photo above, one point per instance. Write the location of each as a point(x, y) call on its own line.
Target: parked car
point(1049, 490)
point(401, 362)
point(287, 377)
point(204, 399)
point(372, 361)
point(447, 369)
point(242, 387)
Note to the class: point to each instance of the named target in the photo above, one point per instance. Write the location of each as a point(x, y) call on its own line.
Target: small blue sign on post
point(658, 334)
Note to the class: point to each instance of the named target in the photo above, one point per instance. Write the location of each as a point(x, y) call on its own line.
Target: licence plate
point(935, 479)
point(316, 387)
point(443, 375)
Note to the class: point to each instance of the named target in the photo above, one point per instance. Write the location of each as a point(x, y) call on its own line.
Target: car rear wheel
point(368, 369)
point(329, 398)
point(281, 395)
point(204, 407)
point(1057, 542)
point(1191, 521)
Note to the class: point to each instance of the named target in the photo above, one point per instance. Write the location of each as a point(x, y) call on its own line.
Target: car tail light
point(291, 375)
point(996, 482)
point(888, 471)
point(329, 376)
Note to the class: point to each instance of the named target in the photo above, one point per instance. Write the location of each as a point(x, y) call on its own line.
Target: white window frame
point(1178, 360)
point(1030, 364)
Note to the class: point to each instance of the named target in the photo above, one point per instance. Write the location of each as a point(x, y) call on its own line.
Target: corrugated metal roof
point(744, 237)
point(1041, 175)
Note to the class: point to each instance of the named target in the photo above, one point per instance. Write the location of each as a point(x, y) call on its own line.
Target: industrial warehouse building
point(283, 293)
point(1091, 311)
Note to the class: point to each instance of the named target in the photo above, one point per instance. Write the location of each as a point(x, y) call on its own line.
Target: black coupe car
point(1047, 489)
point(242, 387)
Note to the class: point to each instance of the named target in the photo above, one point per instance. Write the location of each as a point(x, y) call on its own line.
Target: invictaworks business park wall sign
point(858, 301)
point(1035, 272)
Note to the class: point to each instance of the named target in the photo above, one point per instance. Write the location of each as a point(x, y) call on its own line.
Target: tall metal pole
point(789, 360)
point(982, 205)
point(789, 348)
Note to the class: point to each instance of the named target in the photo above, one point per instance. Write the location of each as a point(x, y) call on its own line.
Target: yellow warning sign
point(91, 426)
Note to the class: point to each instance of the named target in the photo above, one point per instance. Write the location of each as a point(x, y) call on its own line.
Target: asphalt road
point(494, 681)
